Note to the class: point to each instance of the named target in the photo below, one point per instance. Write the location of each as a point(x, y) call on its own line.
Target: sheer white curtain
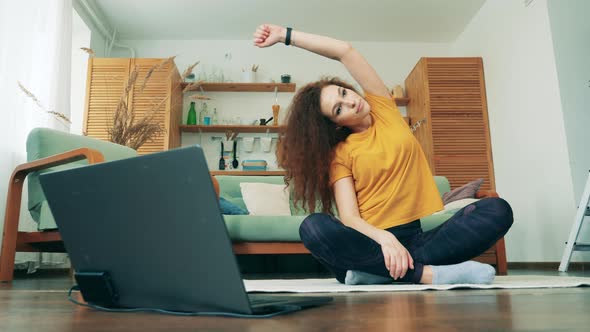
point(35, 49)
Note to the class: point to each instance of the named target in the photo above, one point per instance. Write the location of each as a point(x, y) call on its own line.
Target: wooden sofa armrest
point(13, 199)
point(93, 156)
point(486, 193)
point(21, 171)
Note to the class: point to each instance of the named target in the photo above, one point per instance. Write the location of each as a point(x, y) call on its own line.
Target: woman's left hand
point(396, 256)
point(267, 35)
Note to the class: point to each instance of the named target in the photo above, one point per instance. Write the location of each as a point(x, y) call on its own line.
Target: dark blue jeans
point(467, 234)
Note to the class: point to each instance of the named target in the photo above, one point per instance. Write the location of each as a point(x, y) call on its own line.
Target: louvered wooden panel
point(417, 110)
point(104, 87)
point(450, 94)
point(458, 135)
point(106, 81)
point(174, 114)
point(147, 96)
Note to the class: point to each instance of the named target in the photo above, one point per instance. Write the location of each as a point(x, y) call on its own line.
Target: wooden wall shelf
point(251, 173)
point(242, 87)
point(236, 128)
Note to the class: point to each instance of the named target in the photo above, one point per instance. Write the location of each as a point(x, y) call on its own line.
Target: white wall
point(392, 60)
point(526, 123)
point(570, 29)
point(97, 41)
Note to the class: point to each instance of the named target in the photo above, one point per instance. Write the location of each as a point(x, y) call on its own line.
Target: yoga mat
point(333, 286)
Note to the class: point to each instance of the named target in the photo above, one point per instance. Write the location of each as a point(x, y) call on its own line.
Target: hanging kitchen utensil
point(275, 108)
point(221, 160)
point(264, 122)
point(234, 162)
point(275, 114)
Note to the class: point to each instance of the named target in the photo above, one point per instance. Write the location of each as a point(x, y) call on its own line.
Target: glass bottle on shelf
point(201, 114)
point(214, 118)
point(192, 115)
point(206, 115)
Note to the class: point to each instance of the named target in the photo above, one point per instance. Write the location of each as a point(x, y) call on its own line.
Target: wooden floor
point(38, 303)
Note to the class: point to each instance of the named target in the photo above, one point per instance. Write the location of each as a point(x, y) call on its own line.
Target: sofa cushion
point(229, 186)
point(266, 199)
point(264, 228)
point(455, 206)
point(465, 191)
point(44, 142)
point(46, 221)
point(434, 220)
point(442, 184)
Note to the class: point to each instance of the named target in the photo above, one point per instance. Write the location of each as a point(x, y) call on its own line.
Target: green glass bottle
point(192, 115)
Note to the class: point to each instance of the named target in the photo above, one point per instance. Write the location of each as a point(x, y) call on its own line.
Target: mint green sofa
point(47, 150)
point(284, 228)
point(42, 143)
point(280, 234)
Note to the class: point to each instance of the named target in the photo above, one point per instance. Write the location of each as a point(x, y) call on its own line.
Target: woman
point(357, 151)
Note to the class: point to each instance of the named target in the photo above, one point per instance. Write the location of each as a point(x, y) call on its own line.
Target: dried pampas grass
point(199, 97)
point(195, 86)
point(36, 100)
point(154, 68)
point(189, 70)
point(126, 129)
point(89, 51)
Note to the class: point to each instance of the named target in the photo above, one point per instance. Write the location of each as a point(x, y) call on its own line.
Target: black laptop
point(147, 232)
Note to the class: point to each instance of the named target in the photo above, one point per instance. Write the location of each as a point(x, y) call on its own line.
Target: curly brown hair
point(306, 148)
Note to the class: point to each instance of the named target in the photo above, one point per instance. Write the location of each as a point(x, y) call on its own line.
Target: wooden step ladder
point(571, 245)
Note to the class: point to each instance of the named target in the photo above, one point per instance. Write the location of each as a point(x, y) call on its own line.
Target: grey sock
point(469, 272)
point(363, 278)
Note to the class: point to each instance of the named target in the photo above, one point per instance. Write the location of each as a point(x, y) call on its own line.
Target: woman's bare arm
point(364, 74)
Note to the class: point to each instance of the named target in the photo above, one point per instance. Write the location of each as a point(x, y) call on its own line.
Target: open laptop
point(147, 232)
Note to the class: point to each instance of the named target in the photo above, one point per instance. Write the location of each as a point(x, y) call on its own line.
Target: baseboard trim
point(577, 266)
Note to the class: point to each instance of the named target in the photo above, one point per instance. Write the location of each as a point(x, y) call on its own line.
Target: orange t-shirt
point(392, 179)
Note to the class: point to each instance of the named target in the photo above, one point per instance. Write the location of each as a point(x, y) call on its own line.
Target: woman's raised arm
point(364, 74)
